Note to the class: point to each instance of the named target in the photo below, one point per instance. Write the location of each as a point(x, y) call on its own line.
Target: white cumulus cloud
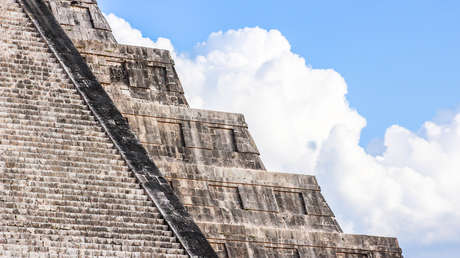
point(290, 107)
point(302, 122)
point(126, 34)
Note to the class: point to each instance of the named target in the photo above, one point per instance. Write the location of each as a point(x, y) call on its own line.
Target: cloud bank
point(126, 34)
point(302, 122)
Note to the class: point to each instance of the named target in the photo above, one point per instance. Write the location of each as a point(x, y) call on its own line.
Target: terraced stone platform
point(101, 155)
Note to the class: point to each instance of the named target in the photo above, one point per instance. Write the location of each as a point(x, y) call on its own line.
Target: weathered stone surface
point(70, 166)
point(77, 179)
point(81, 19)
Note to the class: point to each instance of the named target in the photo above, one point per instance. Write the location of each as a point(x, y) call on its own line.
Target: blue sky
point(399, 58)
point(399, 62)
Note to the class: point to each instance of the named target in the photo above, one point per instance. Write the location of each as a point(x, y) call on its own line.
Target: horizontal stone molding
point(182, 113)
point(300, 238)
point(277, 180)
point(114, 51)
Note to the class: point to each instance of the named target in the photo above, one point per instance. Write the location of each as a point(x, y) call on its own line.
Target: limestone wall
point(254, 213)
point(81, 19)
point(142, 73)
point(146, 89)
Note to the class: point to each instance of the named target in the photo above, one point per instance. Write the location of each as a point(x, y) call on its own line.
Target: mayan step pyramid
point(101, 156)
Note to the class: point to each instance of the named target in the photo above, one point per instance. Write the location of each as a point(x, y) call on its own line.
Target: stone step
point(22, 162)
point(20, 122)
point(14, 11)
point(60, 147)
point(68, 178)
point(24, 21)
point(73, 186)
point(18, 19)
point(28, 90)
point(118, 173)
point(21, 34)
point(27, 203)
point(11, 9)
point(15, 82)
point(11, 6)
point(17, 132)
point(37, 135)
point(84, 202)
point(162, 242)
point(58, 131)
point(82, 157)
point(29, 64)
point(35, 211)
point(14, 38)
point(25, 34)
point(38, 58)
point(52, 142)
point(12, 114)
point(165, 236)
point(32, 41)
point(48, 116)
point(68, 225)
point(39, 103)
point(31, 74)
point(58, 88)
point(59, 128)
point(87, 250)
point(54, 102)
point(29, 254)
point(20, 130)
point(54, 82)
point(34, 74)
point(19, 77)
point(104, 225)
point(49, 96)
point(108, 177)
point(6, 26)
point(22, 190)
point(23, 68)
point(80, 111)
point(25, 40)
point(24, 49)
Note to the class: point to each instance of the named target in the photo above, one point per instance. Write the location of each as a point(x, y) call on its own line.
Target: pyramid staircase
point(64, 188)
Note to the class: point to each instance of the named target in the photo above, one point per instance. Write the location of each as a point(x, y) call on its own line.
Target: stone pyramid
point(100, 155)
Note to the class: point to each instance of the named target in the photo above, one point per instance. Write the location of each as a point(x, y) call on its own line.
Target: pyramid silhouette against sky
point(100, 155)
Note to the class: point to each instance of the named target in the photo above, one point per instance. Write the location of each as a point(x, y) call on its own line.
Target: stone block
point(244, 141)
point(258, 198)
point(98, 19)
point(146, 128)
point(315, 204)
point(197, 135)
